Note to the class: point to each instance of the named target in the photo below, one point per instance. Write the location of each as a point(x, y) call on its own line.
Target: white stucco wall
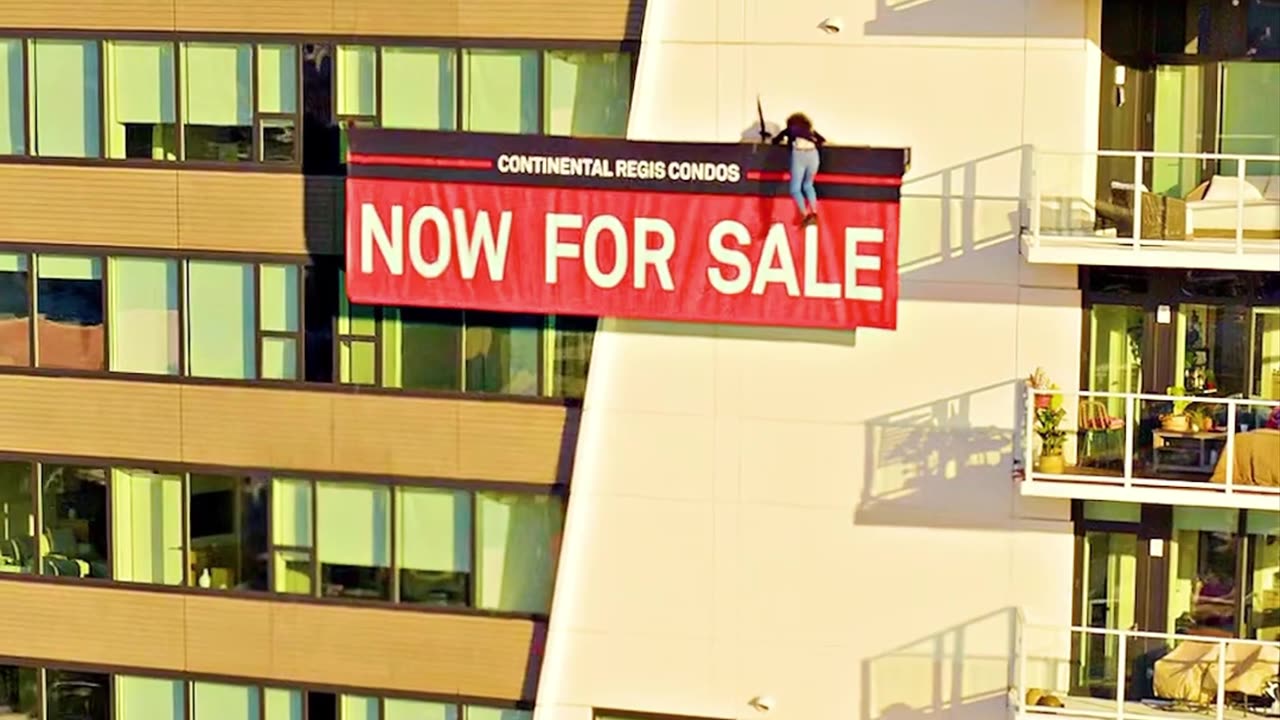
point(792, 513)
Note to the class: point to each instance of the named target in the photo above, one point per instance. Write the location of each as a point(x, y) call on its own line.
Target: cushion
point(1226, 188)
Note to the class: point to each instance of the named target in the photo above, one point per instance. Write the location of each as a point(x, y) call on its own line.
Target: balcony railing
point(1093, 672)
point(1155, 209)
point(1149, 448)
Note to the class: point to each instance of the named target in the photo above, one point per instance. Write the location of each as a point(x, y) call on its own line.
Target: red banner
point(681, 255)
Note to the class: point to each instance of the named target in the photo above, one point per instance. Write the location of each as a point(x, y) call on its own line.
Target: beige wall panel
point(284, 641)
point(244, 211)
point(309, 430)
point(257, 427)
point(400, 650)
point(101, 418)
point(285, 16)
point(228, 637)
point(110, 14)
point(428, 18)
point(562, 19)
point(505, 441)
point(124, 207)
point(404, 436)
point(91, 625)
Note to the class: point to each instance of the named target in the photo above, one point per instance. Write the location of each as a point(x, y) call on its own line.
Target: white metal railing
point(1091, 672)
point(1064, 208)
point(1121, 417)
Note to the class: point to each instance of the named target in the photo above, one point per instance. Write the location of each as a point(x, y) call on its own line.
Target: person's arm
point(782, 135)
point(818, 139)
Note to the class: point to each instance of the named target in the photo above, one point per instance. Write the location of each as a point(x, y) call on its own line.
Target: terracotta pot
point(1175, 423)
point(1052, 464)
point(1043, 401)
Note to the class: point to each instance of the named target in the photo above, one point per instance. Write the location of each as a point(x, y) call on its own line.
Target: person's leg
point(811, 172)
point(797, 181)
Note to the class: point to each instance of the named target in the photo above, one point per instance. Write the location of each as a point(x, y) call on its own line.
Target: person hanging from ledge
point(805, 160)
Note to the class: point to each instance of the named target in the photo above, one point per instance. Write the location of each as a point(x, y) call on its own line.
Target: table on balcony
point(1191, 452)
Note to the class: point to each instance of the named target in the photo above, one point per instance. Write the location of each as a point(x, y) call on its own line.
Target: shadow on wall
point(970, 669)
point(956, 18)
point(933, 465)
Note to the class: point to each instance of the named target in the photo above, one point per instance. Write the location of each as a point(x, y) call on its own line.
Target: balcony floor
point(1081, 708)
point(1259, 256)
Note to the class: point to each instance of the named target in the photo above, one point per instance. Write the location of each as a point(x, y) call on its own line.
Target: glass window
point(481, 712)
point(73, 695)
point(357, 80)
point(1265, 357)
point(1210, 353)
point(353, 539)
point(74, 502)
point(220, 319)
point(65, 98)
point(358, 707)
point(418, 88)
point(13, 135)
point(400, 709)
point(144, 698)
point(143, 313)
point(500, 91)
point(278, 94)
point(220, 701)
point(282, 704)
point(357, 341)
point(422, 348)
point(1202, 569)
point(147, 532)
point(1251, 117)
point(278, 79)
point(501, 353)
point(69, 331)
point(292, 536)
point(518, 539)
point(278, 318)
point(1262, 605)
point(228, 520)
point(15, 310)
point(588, 93)
point(568, 345)
point(217, 101)
point(19, 695)
point(18, 526)
point(433, 545)
point(140, 107)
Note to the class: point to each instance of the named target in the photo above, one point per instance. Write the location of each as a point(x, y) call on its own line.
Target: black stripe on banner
point(766, 188)
point(889, 162)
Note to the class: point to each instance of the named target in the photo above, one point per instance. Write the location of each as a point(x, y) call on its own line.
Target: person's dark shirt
point(799, 132)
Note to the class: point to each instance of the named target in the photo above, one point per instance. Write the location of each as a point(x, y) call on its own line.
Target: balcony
point(1172, 450)
point(1196, 210)
point(1078, 672)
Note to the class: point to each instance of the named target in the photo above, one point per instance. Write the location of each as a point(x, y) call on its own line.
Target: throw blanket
point(1257, 459)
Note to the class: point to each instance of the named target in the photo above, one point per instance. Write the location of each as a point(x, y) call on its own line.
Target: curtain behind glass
point(143, 315)
point(12, 122)
point(500, 91)
point(418, 88)
point(220, 314)
point(142, 698)
point(588, 93)
point(1251, 117)
point(147, 529)
point(518, 540)
point(65, 98)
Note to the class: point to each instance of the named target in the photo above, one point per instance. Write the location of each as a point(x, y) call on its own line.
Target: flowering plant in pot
point(1049, 415)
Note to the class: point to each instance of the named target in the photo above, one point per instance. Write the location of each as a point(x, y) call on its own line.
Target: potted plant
point(1178, 420)
point(1048, 424)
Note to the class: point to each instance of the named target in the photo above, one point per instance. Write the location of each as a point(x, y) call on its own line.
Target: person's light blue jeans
point(804, 167)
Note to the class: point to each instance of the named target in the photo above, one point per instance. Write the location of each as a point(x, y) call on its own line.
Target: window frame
point(189, 583)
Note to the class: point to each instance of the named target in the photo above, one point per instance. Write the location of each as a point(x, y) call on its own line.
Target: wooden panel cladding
point(89, 205)
point(78, 14)
point(287, 429)
point(171, 209)
point(287, 642)
point(604, 20)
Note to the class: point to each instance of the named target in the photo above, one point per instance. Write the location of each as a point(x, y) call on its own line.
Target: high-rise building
point(1033, 470)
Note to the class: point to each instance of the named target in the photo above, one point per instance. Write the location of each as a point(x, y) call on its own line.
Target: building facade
point(598, 518)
